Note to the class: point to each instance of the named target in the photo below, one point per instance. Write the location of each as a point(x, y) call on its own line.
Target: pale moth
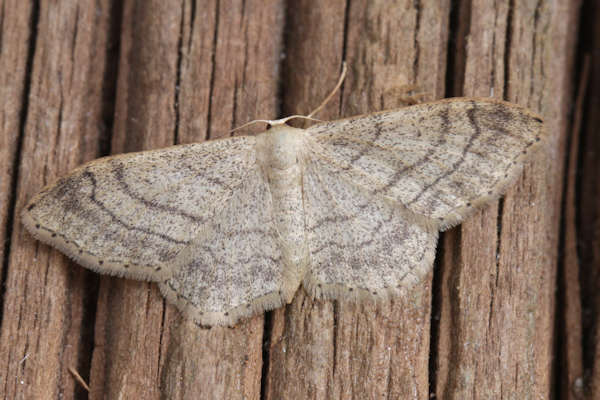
point(348, 208)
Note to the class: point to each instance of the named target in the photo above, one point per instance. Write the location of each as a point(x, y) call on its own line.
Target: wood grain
point(588, 218)
point(14, 65)
point(160, 352)
point(339, 350)
point(147, 74)
point(498, 270)
point(45, 300)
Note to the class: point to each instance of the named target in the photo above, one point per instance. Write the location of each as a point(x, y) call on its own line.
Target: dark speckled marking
point(365, 150)
point(116, 219)
point(444, 115)
point(501, 117)
point(471, 116)
point(118, 172)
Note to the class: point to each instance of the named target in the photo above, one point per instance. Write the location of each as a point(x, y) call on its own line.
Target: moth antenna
point(309, 117)
point(335, 89)
point(248, 124)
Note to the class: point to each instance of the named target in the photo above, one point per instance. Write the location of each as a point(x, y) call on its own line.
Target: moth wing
point(130, 215)
point(234, 267)
point(441, 160)
point(360, 244)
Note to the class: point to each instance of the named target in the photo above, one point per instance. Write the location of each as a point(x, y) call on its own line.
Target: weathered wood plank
point(128, 348)
point(43, 311)
point(589, 209)
point(338, 349)
point(15, 37)
point(223, 362)
point(187, 73)
point(496, 334)
point(570, 332)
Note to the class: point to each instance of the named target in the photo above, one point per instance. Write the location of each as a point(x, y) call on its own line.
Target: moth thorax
point(280, 147)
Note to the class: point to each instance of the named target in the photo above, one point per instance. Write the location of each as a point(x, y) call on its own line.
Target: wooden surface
point(586, 174)
point(509, 310)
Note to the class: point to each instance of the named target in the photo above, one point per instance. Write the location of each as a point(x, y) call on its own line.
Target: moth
point(347, 209)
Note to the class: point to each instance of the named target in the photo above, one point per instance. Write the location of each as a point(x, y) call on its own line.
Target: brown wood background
point(511, 308)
